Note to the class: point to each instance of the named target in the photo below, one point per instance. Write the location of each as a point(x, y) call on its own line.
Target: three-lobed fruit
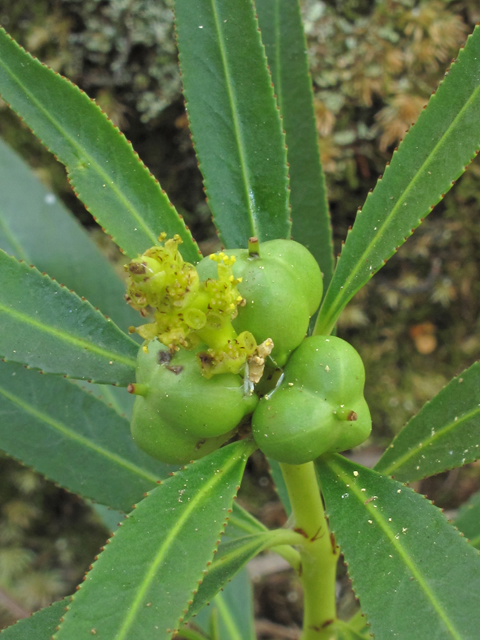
point(282, 288)
point(178, 414)
point(319, 406)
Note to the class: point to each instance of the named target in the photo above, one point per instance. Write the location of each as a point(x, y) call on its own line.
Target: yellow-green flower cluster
point(188, 312)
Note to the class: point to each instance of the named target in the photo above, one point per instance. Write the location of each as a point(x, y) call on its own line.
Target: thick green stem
point(319, 553)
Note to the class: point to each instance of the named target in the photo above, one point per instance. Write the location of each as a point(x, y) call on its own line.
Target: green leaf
point(110, 518)
point(284, 40)
point(149, 572)
point(36, 227)
point(232, 556)
point(468, 520)
point(234, 553)
point(443, 435)
point(280, 485)
point(433, 155)
point(235, 609)
point(103, 169)
point(241, 522)
point(47, 327)
point(117, 398)
point(40, 626)
point(72, 438)
point(234, 120)
point(427, 577)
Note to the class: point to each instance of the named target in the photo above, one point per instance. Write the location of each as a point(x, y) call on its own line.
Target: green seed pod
point(163, 442)
point(318, 408)
point(178, 412)
point(281, 284)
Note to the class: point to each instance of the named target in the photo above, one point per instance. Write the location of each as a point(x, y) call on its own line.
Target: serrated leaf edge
point(411, 452)
point(80, 342)
point(246, 180)
point(171, 536)
point(100, 171)
point(64, 429)
point(326, 321)
point(376, 516)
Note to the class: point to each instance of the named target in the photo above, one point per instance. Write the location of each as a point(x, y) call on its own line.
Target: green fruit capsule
point(163, 442)
point(319, 407)
point(281, 284)
point(180, 414)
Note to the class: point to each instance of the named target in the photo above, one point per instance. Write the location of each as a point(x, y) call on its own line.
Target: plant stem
point(319, 553)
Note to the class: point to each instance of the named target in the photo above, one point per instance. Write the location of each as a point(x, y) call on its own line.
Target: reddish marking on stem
point(333, 542)
point(316, 536)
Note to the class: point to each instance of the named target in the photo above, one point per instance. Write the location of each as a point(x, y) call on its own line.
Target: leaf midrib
point(81, 153)
point(73, 435)
point(383, 227)
point(236, 121)
point(375, 514)
point(202, 494)
point(257, 539)
point(66, 337)
point(440, 433)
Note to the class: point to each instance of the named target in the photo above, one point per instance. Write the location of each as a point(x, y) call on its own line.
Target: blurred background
point(416, 324)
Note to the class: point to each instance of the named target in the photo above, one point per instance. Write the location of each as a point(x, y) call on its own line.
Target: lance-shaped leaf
point(434, 153)
point(147, 576)
point(40, 626)
point(233, 610)
point(72, 438)
point(422, 565)
point(37, 228)
point(443, 435)
point(47, 327)
point(233, 554)
point(234, 119)
point(284, 40)
point(231, 557)
point(103, 169)
point(468, 520)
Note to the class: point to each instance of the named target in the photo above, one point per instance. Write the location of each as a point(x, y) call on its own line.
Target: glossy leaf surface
point(102, 166)
point(286, 48)
point(37, 228)
point(468, 520)
point(427, 577)
point(47, 327)
point(234, 119)
point(434, 153)
point(148, 573)
point(40, 626)
point(72, 438)
point(443, 435)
